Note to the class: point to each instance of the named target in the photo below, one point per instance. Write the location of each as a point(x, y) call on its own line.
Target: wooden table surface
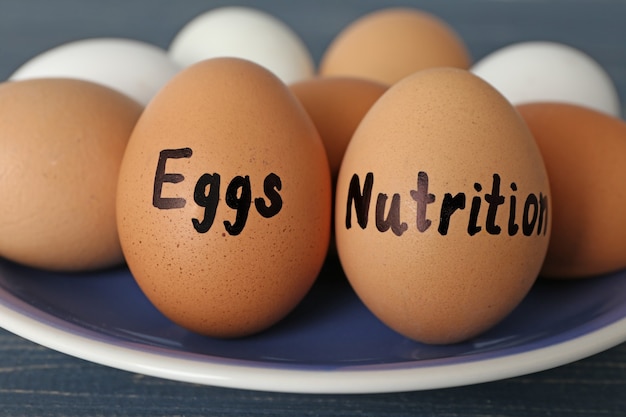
point(37, 381)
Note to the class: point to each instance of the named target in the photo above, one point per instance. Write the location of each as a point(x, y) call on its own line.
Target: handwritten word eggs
point(389, 44)
point(247, 33)
point(135, 68)
point(442, 207)
point(62, 142)
point(549, 71)
point(585, 155)
point(224, 199)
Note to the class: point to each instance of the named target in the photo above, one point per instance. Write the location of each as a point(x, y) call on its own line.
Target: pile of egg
point(216, 169)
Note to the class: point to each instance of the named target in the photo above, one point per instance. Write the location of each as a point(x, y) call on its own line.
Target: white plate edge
point(341, 381)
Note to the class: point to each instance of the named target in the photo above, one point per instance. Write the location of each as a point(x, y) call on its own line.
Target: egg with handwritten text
point(224, 199)
point(442, 207)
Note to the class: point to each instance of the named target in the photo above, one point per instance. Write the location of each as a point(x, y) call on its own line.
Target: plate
point(330, 344)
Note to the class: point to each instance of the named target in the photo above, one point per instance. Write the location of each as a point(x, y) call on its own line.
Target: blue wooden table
point(37, 381)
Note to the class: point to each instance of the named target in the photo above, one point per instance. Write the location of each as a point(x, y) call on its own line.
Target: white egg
point(549, 71)
point(135, 68)
point(246, 33)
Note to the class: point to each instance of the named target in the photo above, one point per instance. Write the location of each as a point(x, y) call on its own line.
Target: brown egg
point(442, 207)
point(389, 44)
point(336, 106)
point(585, 155)
point(224, 199)
point(62, 144)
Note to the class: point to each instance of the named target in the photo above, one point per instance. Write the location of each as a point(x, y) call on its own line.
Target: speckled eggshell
point(585, 154)
point(434, 269)
point(389, 44)
point(201, 264)
point(337, 106)
point(62, 142)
